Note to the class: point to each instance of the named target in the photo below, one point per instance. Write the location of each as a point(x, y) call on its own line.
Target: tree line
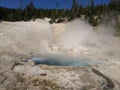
point(76, 10)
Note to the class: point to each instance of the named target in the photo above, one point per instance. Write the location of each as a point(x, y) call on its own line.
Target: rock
point(31, 62)
point(82, 17)
point(67, 77)
point(24, 58)
point(3, 34)
point(2, 79)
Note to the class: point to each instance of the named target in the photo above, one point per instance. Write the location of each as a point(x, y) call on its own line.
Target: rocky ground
point(18, 74)
point(21, 40)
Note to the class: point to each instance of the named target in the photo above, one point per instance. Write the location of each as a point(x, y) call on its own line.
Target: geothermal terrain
point(36, 55)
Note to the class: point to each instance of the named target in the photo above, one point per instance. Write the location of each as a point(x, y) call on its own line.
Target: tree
point(74, 8)
point(18, 15)
point(26, 13)
point(30, 12)
point(56, 10)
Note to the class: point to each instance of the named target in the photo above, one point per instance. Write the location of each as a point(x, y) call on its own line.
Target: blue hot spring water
point(63, 62)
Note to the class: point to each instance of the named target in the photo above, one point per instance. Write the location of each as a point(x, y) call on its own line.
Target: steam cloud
point(76, 38)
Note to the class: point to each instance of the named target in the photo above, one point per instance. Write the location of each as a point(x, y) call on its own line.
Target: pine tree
point(18, 15)
point(56, 10)
point(74, 8)
point(19, 12)
point(32, 10)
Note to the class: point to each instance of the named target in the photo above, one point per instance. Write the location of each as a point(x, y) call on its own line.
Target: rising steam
point(73, 39)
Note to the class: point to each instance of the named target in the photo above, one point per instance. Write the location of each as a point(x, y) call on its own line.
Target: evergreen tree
point(74, 8)
point(26, 13)
point(30, 12)
point(18, 15)
point(56, 8)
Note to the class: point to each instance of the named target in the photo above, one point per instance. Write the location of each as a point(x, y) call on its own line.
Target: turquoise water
point(64, 62)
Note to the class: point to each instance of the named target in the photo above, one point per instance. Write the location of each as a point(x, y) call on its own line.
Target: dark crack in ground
point(109, 85)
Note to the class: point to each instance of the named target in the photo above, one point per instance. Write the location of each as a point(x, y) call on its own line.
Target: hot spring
point(55, 61)
point(75, 38)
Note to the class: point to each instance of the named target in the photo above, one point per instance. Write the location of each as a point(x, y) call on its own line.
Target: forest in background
point(76, 11)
